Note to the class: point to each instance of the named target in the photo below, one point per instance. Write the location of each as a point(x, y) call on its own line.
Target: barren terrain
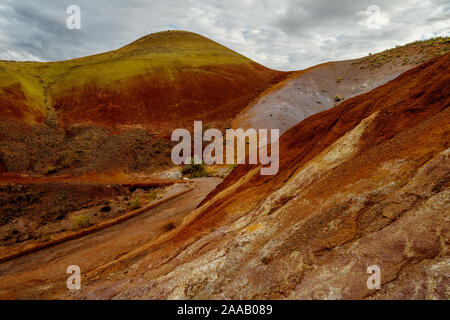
point(86, 177)
point(43, 274)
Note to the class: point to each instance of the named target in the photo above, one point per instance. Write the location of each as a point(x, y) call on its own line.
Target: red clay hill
point(365, 183)
point(161, 81)
point(139, 93)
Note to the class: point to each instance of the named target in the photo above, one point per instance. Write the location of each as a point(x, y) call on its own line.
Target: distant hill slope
point(323, 86)
point(60, 116)
point(364, 183)
point(160, 81)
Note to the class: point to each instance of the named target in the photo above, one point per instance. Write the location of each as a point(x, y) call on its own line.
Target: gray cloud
point(281, 34)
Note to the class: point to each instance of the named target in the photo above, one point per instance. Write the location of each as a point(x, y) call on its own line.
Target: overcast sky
point(281, 34)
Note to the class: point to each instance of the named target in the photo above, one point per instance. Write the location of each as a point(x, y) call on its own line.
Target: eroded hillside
point(364, 183)
point(324, 86)
point(115, 110)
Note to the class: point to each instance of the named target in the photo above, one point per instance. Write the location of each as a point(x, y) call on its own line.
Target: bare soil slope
point(365, 183)
point(324, 86)
point(43, 274)
point(112, 110)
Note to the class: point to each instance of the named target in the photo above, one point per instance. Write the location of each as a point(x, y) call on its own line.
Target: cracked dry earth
point(365, 183)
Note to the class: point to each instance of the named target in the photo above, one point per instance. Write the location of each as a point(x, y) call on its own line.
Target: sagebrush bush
point(42, 236)
point(136, 204)
point(81, 221)
point(49, 170)
point(194, 170)
point(153, 194)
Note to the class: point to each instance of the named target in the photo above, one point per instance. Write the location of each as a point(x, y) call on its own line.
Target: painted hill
point(364, 183)
point(326, 85)
point(156, 84)
point(160, 81)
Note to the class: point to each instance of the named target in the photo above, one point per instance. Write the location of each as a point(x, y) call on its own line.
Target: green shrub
point(81, 221)
point(338, 98)
point(136, 204)
point(50, 170)
point(194, 170)
point(199, 174)
point(153, 194)
point(42, 236)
